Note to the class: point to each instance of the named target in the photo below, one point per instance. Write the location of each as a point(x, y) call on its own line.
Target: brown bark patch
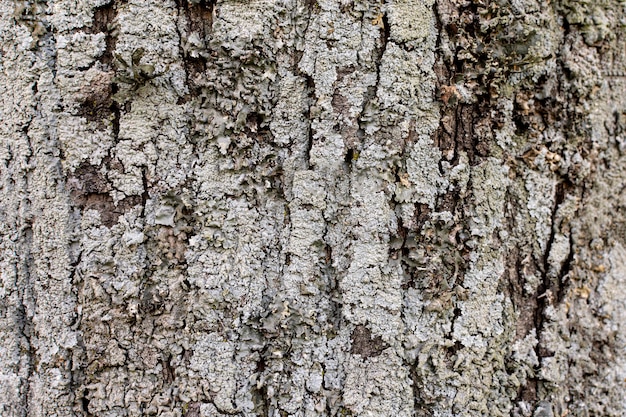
point(102, 22)
point(96, 99)
point(199, 15)
point(199, 20)
point(364, 344)
point(89, 190)
point(193, 410)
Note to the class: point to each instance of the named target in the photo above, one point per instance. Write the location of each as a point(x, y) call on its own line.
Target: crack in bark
point(84, 403)
point(99, 103)
point(24, 320)
point(551, 286)
point(310, 84)
point(103, 21)
point(199, 16)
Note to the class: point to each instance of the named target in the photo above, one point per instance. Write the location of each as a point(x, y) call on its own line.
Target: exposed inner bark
point(89, 190)
point(364, 344)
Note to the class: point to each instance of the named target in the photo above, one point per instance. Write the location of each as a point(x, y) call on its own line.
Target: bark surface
point(312, 208)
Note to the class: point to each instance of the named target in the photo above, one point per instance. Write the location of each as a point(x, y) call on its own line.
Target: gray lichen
point(306, 208)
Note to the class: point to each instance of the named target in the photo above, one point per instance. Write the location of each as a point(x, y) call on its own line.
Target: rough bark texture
point(312, 208)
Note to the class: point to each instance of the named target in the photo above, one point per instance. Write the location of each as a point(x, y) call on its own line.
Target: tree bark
point(312, 208)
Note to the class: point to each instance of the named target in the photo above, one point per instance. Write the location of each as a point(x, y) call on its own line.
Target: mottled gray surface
point(312, 208)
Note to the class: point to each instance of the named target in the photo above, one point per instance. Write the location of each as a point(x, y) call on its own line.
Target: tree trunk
point(312, 208)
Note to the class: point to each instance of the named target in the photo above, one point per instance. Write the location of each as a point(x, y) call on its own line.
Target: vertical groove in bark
point(197, 18)
point(24, 320)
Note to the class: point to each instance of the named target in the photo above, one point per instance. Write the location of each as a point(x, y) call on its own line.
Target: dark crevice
point(445, 70)
point(192, 91)
point(448, 202)
point(169, 373)
point(420, 406)
point(146, 194)
point(103, 21)
point(386, 33)
point(483, 57)
point(399, 251)
point(550, 289)
point(457, 129)
point(24, 319)
point(349, 157)
point(310, 85)
point(551, 285)
point(452, 350)
point(199, 20)
point(98, 105)
point(199, 14)
point(312, 5)
point(84, 402)
point(115, 110)
point(74, 266)
point(309, 147)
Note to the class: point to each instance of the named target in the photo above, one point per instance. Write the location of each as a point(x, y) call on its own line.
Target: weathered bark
point(312, 208)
